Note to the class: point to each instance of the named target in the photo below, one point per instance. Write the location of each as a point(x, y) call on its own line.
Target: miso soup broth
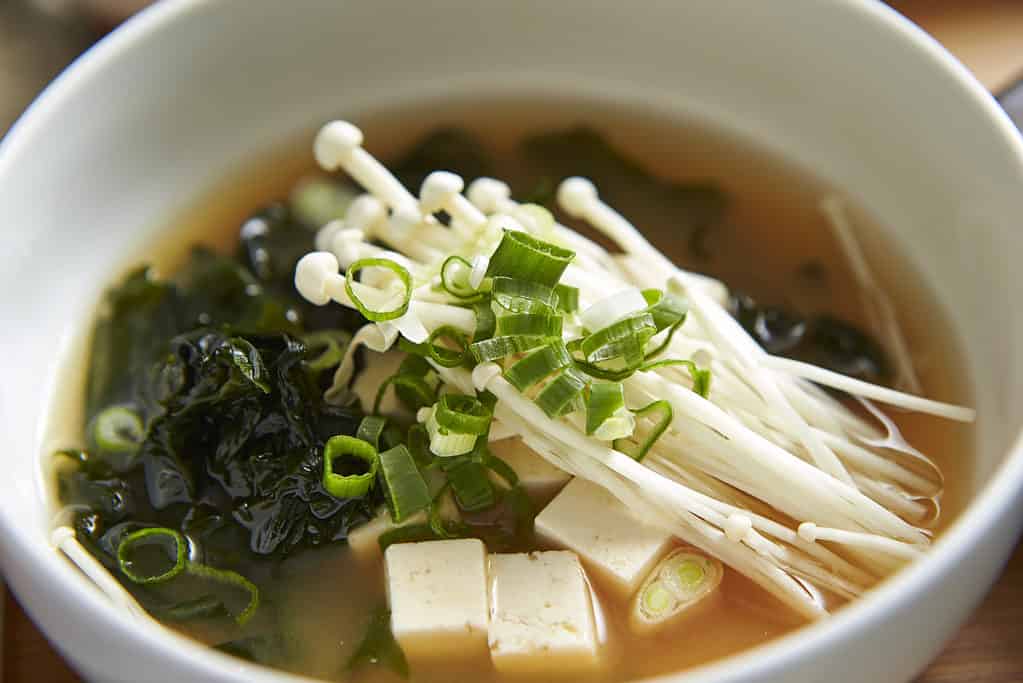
point(745, 216)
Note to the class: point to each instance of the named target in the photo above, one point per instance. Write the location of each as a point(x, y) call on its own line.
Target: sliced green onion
point(624, 339)
point(455, 423)
point(156, 536)
point(203, 607)
point(514, 295)
point(331, 346)
point(118, 430)
point(405, 489)
point(419, 445)
point(179, 555)
point(370, 429)
point(234, 579)
point(525, 257)
point(415, 384)
point(379, 315)
point(604, 402)
point(562, 394)
point(501, 469)
point(496, 348)
point(538, 365)
point(485, 321)
point(700, 376)
point(531, 324)
point(444, 356)
point(444, 528)
point(414, 392)
point(667, 341)
point(638, 449)
point(681, 586)
point(568, 298)
point(471, 486)
point(462, 414)
point(666, 309)
point(455, 278)
point(349, 485)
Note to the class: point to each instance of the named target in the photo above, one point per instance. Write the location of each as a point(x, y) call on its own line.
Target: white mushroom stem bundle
point(839, 496)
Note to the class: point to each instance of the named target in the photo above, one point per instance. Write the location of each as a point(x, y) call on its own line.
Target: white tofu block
point(364, 541)
point(617, 549)
point(539, 478)
point(437, 591)
point(541, 615)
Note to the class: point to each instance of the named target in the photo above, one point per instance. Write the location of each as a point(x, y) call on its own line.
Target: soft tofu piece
point(364, 541)
point(616, 548)
point(539, 478)
point(541, 615)
point(437, 591)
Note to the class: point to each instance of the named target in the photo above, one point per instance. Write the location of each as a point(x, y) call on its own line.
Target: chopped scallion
point(361, 454)
point(234, 579)
point(604, 401)
point(563, 394)
point(130, 564)
point(625, 338)
point(455, 278)
point(118, 430)
point(525, 257)
point(700, 376)
point(331, 346)
point(404, 487)
point(531, 324)
point(384, 314)
point(514, 295)
point(568, 298)
point(538, 365)
point(485, 320)
point(662, 414)
point(496, 348)
point(370, 429)
point(471, 486)
point(462, 414)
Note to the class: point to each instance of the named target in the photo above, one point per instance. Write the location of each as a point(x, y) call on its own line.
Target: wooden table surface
point(988, 36)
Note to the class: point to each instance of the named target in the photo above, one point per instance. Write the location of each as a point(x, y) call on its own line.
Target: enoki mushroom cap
point(576, 196)
point(438, 190)
point(334, 143)
point(488, 194)
point(313, 275)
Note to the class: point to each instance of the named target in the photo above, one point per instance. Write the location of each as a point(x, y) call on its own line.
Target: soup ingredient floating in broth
point(623, 370)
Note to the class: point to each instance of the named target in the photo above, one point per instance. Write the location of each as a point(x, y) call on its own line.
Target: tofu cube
point(541, 615)
point(539, 478)
point(364, 541)
point(437, 591)
point(617, 549)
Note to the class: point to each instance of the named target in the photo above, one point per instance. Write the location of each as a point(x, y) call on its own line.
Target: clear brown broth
point(773, 227)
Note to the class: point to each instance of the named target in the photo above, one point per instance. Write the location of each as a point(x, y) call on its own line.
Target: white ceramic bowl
point(189, 89)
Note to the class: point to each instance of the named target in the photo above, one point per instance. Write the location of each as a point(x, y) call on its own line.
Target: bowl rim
point(982, 513)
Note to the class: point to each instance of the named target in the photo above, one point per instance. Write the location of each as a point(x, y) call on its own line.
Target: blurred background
point(39, 38)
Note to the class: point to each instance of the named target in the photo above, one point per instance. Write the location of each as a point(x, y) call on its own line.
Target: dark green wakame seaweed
point(213, 363)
